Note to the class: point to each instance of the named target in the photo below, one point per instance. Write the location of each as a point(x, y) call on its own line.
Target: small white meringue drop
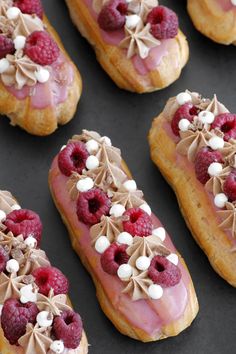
point(2, 215)
point(28, 294)
point(146, 208)
point(215, 169)
point(155, 291)
point(216, 143)
point(57, 346)
point(13, 13)
point(130, 185)
point(63, 147)
point(124, 271)
point(183, 97)
point(4, 65)
point(125, 238)
point(132, 21)
point(92, 146)
point(160, 232)
point(173, 258)
point(15, 207)
point(220, 200)
point(102, 244)
point(233, 2)
point(42, 75)
point(44, 319)
point(184, 124)
point(117, 210)
point(19, 42)
point(92, 162)
point(143, 263)
point(1, 307)
point(106, 140)
point(206, 117)
point(85, 184)
point(12, 266)
point(31, 242)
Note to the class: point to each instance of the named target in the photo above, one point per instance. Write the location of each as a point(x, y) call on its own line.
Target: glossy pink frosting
point(147, 315)
point(226, 5)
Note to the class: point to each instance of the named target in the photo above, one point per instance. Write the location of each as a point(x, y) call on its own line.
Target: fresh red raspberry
point(163, 272)
point(112, 15)
point(92, 205)
point(48, 278)
point(30, 7)
point(138, 222)
point(113, 257)
point(15, 317)
point(204, 158)
point(73, 158)
point(41, 48)
point(226, 122)
point(68, 327)
point(186, 111)
point(24, 222)
point(4, 257)
point(230, 186)
point(164, 22)
point(6, 46)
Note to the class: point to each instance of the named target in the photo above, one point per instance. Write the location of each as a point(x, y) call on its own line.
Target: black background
point(126, 119)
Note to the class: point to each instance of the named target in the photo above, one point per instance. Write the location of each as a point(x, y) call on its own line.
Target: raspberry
point(68, 328)
point(41, 48)
point(113, 257)
point(15, 317)
point(30, 7)
point(24, 222)
point(230, 186)
point(226, 122)
point(73, 158)
point(48, 278)
point(186, 111)
point(4, 257)
point(112, 15)
point(204, 158)
point(164, 22)
point(139, 222)
point(6, 46)
point(92, 205)
point(163, 272)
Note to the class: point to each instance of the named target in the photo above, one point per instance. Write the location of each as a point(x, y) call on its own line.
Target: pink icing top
point(226, 5)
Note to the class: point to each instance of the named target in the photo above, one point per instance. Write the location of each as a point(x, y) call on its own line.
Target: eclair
point(137, 42)
point(36, 316)
point(193, 143)
point(39, 85)
point(142, 282)
point(214, 19)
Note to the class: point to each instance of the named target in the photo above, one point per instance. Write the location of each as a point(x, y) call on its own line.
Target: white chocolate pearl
point(28, 294)
point(183, 97)
point(13, 13)
point(63, 147)
point(132, 21)
point(44, 319)
point(4, 65)
point(155, 291)
point(143, 263)
point(184, 124)
point(220, 200)
point(92, 146)
point(215, 169)
point(42, 75)
point(57, 346)
point(19, 42)
point(12, 266)
point(106, 140)
point(216, 143)
point(160, 232)
point(124, 271)
point(31, 242)
point(206, 117)
point(92, 162)
point(2, 215)
point(173, 258)
point(102, 244)
point(125, 238)
point(84, 185)
point(15, 207)
point(117, 210)
point(146, 208)
point(233, 2)
point(130, 185)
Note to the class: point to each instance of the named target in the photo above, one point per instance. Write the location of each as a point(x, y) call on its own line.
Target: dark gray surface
point(126, 118)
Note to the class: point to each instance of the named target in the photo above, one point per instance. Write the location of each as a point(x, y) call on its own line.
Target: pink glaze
point(226, 5)
point(51, 93)
point(148, 315)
